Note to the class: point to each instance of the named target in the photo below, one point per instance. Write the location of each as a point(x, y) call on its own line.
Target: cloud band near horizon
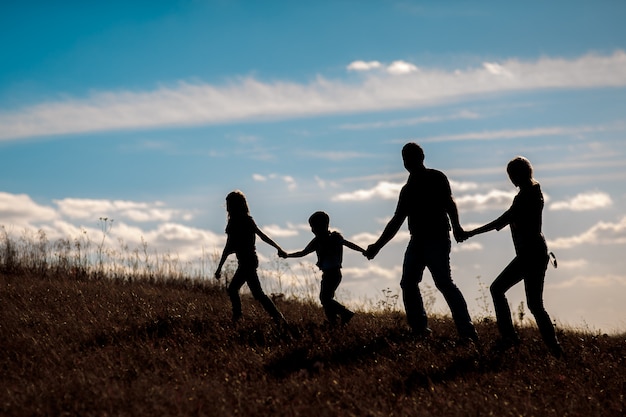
point(189, 104)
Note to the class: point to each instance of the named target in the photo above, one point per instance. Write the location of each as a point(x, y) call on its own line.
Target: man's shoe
point(346, 317)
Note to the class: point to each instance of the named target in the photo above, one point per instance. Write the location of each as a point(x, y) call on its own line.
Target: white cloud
point(467, 247)
point(188, 104)
point(602, 233)
point(20, 209)
point(459, 186)
point(321, 183)
point(118, 209)
point(496, 69)
point(584, 202)
point(591, 282)
point(363, 65)
point(463, 115)
point(516, 134)
point(287, 179)
point(373, 270)
point(19, 214)
point(395, 68)
point(401, 68)
point(273, 230)
point(291, 182)
point(574, 264)
point(365, 239)
point(493, 200)
point(384, 190)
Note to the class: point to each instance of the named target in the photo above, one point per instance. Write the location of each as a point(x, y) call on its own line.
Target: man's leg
point(412, 273)
point(438, 262)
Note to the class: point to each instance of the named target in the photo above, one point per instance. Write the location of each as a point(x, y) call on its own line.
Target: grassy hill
point(75, 345)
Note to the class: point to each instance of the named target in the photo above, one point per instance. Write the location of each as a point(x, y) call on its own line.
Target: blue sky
point(149, 113)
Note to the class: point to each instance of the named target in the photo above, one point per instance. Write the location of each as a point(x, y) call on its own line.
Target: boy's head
point(319, 222)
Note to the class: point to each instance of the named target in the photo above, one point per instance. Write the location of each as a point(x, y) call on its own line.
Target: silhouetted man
point(427, 201)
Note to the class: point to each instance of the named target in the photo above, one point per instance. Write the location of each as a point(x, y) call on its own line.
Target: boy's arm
point(353, 246)
point(310, 248)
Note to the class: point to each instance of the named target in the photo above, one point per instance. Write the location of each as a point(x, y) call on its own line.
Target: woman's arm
point(497, 224)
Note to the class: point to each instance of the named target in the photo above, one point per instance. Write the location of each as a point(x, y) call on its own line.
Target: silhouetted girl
point(241, 233)
point(531, 260)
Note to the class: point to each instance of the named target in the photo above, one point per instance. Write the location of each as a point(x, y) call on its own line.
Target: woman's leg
point(510, 276)
point(533, 283)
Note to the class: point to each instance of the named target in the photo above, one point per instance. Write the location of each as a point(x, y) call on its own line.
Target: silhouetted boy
point(329, 248)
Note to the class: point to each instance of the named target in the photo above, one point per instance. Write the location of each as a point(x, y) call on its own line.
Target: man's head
point(413, 156)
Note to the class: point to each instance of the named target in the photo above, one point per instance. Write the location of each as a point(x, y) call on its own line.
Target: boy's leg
point(332, 308)
point(510, 276)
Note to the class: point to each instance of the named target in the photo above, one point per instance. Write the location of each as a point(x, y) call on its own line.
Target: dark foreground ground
point(108, 348)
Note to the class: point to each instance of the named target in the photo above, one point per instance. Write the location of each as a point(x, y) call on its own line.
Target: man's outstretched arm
point(390, 231)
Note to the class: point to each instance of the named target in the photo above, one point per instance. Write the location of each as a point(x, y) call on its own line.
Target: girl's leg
point(533, 284)
point(233, 292)
point(257, 292)
point(510, 276)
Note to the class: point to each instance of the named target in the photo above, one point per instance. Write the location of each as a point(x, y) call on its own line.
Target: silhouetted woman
point(531, 260)
point(241, 233)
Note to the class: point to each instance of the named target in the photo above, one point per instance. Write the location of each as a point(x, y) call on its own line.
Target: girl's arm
point(265, 238)
point(353, 246)
point(227, 251)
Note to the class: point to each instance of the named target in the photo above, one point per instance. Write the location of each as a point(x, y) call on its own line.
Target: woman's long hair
point(520, 170)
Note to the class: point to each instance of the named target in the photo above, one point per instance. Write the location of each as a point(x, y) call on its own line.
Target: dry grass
point(80, 344)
